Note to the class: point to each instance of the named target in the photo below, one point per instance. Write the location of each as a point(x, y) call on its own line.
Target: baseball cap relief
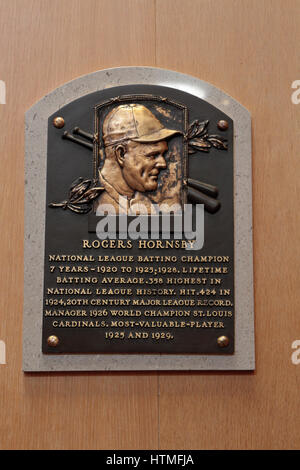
point(134, 122)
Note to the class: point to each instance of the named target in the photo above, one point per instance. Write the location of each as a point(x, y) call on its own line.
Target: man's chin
point(151, 186)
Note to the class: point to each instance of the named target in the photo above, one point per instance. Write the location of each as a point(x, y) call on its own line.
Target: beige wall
point(249, 49)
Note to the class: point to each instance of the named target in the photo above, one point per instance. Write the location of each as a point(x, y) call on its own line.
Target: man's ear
point(120, 152)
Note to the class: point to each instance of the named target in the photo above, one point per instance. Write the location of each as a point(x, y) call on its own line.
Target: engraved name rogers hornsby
point(135, 142)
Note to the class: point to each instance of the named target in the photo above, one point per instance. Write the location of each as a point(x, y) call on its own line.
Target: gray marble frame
point(35, 196)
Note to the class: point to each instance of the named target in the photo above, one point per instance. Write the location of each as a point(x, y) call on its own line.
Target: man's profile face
point(143, 163)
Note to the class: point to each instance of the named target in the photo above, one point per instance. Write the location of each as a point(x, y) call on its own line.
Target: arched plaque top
point(114, 77)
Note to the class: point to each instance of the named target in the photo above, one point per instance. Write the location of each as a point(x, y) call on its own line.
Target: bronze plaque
point(122, 164)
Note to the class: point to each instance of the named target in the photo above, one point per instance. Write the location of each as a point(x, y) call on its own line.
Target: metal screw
point(223, 125)
point(223, 341)
point(52, 341)
point(58, 122)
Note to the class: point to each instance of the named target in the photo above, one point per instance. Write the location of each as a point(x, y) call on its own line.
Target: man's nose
point(161, 162)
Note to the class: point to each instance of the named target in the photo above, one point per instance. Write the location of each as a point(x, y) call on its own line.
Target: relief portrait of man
point(135, 146)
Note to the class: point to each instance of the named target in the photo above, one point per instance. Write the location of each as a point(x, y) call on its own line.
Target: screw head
point(58, 122)
point(52, 341)
point(223, 125)
point(223, 341)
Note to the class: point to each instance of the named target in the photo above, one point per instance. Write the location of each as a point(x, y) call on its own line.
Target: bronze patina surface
point(154, 150)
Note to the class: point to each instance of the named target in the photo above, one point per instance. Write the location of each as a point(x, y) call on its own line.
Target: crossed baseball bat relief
point(198, 192)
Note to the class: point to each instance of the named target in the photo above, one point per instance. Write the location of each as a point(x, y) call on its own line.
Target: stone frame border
point(36, 126)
